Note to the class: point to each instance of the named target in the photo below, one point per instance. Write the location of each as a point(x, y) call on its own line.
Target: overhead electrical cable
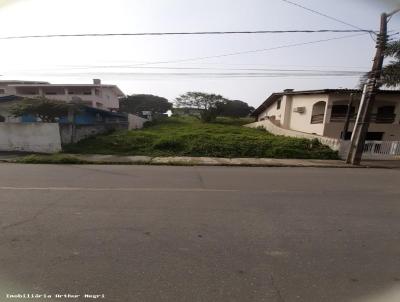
point(185, 33)
point(323, 15)
point(250, 51)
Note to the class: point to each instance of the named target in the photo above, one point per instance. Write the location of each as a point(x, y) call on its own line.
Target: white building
point(323, 112)
point(96, 95)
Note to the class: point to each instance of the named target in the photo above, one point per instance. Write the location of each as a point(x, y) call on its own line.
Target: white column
point(286, 111)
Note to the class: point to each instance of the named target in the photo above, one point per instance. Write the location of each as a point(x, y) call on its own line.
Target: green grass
point(190, 137)
point(50, 159)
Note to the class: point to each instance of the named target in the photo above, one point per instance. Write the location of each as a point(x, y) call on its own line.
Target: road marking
point(114, 189)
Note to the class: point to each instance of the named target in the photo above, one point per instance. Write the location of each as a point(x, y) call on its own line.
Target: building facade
point(323, 112)
point(96, 95)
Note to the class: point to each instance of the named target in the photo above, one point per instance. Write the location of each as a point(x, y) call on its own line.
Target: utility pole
point(348, 117)
point(368, 98)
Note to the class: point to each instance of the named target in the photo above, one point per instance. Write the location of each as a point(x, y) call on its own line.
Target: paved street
point(160, 233)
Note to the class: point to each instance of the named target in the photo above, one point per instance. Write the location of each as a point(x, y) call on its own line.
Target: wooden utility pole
point(368, 97)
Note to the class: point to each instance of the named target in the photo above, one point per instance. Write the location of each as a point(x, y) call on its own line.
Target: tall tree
point(206, 102)
point(138, 103)
point(234, 108)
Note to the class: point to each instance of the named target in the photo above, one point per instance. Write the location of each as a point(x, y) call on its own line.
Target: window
point(340, 110)
point(385, 115)
point(2, 119)
point(87, 92)
point(374, 136)
point(278, 104)
point(318, 113)
point(2, 91)
point(339, 113)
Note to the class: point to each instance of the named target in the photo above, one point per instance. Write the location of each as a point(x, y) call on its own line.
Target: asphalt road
point(147, 233)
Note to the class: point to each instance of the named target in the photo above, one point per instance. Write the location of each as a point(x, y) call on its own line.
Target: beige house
point(96, 95)
point(323, 112)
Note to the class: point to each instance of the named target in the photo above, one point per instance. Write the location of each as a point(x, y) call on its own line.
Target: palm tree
point(391, 71)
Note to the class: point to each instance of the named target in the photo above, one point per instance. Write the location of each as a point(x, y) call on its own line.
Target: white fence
point(375, 150)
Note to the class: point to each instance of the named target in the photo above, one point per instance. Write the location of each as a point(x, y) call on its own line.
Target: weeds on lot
point(187, 136)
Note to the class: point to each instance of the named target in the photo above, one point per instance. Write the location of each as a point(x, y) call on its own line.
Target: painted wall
point(273, 113)
point(288, 119)
point(136, 122)
point(302, 121)
point(30, 137)
point(391, 131)
point(7, 90)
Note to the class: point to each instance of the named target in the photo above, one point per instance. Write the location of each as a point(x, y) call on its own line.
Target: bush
point(168, 144)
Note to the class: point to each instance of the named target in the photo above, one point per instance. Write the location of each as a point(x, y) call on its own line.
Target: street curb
point(81, 159)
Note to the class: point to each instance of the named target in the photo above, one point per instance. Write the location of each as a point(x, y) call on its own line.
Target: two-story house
point(96, 95)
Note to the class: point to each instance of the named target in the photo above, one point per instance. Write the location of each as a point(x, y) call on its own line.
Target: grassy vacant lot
point(190, 137)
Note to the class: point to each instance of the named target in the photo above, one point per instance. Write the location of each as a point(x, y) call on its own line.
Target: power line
point(186, 33)
point(215, 75)
point(322, 14)
point(211, 68)
point(234, 53)
point(249, 51)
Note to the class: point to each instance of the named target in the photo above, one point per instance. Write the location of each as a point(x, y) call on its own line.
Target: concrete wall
point(7, 89)
point(30, 137)
point(136, 122)
point(334, 144)
point(74, 133)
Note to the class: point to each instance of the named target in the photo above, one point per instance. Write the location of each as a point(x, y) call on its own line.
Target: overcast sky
point(79, 60)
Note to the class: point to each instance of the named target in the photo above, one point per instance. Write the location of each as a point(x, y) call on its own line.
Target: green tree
point(49, 111)
point(234, 108)
point(206, 102)
point(391, 71)
point(138, 103)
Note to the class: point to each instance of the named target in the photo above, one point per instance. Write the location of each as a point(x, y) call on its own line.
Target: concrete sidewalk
point(192, 161)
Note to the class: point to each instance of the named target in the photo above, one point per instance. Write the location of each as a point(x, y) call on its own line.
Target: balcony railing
point(375, 118)
point(383, 118)
point(342, 117)
point(317, 119)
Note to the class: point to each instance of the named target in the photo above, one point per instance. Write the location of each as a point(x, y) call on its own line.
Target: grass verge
point(51, 159)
